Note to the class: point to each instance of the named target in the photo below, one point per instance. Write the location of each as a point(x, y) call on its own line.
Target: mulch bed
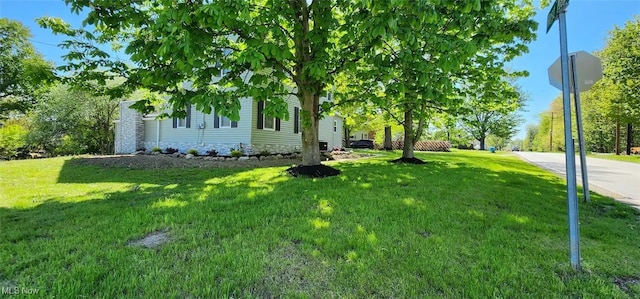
point(314, 171)
point(162, 162)
point(168, 161)
point(408, 161)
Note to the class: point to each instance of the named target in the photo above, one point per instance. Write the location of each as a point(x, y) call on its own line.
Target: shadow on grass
point(400, 224)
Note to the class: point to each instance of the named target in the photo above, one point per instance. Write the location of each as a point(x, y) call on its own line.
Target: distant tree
point(492, 107)
point(70, 121)
point(621, 57)
point(530, 136)
point(22, 70)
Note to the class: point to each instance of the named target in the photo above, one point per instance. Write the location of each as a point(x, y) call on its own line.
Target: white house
point(253, 133)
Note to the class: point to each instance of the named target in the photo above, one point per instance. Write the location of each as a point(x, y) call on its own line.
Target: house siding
point(201, 139)
point(202, 136)
point(283, 141)
point(326, 133)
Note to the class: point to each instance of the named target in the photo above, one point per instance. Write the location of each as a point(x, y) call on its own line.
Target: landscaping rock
point(156, 153)
point(140, 153)
point(243, 158)
point(253, 158)
point(176, 154)
point(188, 156)
point(279, 156)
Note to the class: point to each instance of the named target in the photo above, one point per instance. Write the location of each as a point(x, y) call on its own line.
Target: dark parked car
point(361, 144)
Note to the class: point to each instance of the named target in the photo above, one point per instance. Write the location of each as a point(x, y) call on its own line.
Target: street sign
point(588, 70)
point(558, 6)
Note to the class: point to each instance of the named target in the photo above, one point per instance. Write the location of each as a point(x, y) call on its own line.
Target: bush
point(192, 151)
point(156, 150)
point(69, 146)
point(170, 150)
point(12, 138)
point(212, 153)
point(264, 153)
point(236, 153)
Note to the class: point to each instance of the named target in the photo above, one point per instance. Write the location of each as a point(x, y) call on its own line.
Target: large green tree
point(269, 50)
point(422, 58)
point(22, 69)
point(621, 57)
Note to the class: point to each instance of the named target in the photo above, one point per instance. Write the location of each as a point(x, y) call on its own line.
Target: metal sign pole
point(583, 152)
point(574, 234)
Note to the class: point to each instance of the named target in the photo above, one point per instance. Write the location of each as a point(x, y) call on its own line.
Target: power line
point(43, 43)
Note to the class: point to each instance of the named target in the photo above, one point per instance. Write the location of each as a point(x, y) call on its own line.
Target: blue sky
point(588, 22)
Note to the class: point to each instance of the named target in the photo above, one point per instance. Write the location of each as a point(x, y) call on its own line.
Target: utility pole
point(551, 134)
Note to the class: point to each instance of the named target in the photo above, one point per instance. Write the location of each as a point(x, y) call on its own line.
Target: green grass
point(467, 224)
point(624, 158)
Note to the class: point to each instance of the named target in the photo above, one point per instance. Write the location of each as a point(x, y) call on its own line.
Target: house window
point(269, 122)
point(181, 123)
point(225, 122)
point(335, 126)
point(329, 96)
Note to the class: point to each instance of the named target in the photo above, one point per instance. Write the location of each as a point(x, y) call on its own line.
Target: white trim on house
point(184, 123)
point(264, 123)
point(221, 121)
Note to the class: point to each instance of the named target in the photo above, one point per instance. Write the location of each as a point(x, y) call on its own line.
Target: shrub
point(12, 138)
point(156, 150)
point(170, 150)
point(192, 151)
point(264, 153)
point(212, 153)
point(236, 153)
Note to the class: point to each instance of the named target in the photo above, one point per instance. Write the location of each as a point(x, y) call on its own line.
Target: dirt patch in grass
point(162, 161)
point(626, 283)
point(152, 240)
point(292, 273)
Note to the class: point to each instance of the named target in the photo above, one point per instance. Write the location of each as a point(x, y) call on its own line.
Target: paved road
point(620, 180)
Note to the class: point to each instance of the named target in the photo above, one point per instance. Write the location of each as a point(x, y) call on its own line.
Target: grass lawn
point(466, 224)
point(624, 158)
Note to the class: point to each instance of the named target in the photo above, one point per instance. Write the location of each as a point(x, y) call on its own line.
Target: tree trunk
point(482, 143)
point(407, 150)
point(310, 145)
point(617, 137)
point(387, 139)
point(347, 136)
point(629, 139)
